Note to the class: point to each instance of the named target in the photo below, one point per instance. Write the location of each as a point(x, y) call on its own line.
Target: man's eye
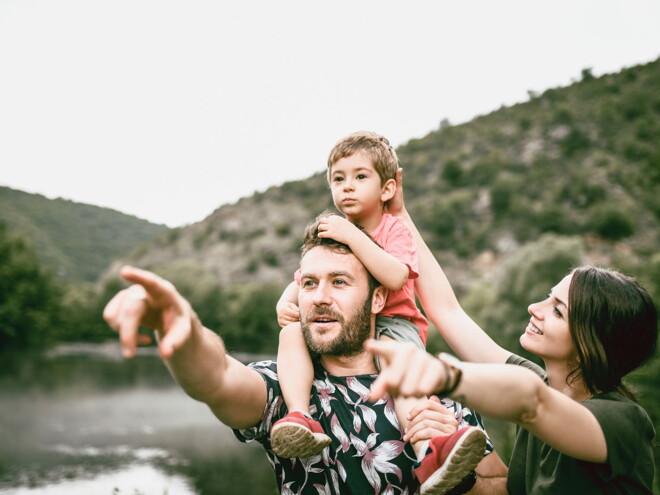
point(308, 283)
point(340, 282)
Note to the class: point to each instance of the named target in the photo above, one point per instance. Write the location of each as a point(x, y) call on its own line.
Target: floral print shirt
point(367, 454)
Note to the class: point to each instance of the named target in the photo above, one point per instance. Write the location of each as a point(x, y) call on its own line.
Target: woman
point(584, 433)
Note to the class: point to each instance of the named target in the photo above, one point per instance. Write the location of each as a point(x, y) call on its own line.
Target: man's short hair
point(375, 146)
point(311, 240)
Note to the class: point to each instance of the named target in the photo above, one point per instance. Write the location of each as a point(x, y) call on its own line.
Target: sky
point(168, 109)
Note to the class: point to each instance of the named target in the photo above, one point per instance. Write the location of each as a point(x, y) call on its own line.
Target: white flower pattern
point(366, 455)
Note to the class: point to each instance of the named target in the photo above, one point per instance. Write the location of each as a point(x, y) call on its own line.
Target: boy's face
point(356, 188)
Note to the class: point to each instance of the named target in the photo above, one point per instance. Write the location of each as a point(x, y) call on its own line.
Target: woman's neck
point(558, 374)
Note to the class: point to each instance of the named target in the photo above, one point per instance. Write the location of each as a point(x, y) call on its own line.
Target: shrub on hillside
point(613, 224)
point(574, 142)
point(452, 173)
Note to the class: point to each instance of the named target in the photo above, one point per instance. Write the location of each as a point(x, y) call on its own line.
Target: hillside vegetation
point(73, 240)
point(577, 167)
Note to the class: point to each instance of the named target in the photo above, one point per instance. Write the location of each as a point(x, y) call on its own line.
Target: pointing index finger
point(156, 287)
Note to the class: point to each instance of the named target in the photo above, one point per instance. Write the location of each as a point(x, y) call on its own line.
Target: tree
point(30, 299)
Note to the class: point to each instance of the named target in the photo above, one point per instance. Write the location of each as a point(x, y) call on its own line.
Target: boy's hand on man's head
point(287, 313)
point(338, 228)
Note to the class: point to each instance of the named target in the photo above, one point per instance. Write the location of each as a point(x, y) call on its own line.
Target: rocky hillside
point(580, 161)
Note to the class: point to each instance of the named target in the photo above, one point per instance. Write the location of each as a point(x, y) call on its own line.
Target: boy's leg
point(402, 406)
point(297, 434)
point(446, 461)
point(294, 368)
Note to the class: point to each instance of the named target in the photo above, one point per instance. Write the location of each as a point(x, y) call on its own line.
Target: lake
point(81, 420)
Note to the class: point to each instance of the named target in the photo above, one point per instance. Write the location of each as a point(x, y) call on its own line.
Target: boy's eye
point(361, 176)
point(337, 179)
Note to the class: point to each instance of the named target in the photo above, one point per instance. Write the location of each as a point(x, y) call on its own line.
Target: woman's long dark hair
point(614, 327)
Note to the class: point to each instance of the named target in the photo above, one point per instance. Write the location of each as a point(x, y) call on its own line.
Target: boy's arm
point(387, 269)
point(467, 340)
point(195, 355)
point(287, 306)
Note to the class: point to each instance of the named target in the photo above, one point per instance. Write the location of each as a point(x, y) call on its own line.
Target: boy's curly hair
point(373, 145)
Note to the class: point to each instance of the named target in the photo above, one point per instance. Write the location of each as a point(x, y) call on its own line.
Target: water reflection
point(82, 420)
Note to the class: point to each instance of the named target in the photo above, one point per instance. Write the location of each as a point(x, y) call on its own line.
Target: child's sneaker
point(298, 435)
point(449, 459)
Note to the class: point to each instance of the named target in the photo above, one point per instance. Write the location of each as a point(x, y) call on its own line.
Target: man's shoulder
point(266, 367)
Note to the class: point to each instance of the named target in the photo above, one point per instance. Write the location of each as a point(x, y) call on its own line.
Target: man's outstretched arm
point(195, 355)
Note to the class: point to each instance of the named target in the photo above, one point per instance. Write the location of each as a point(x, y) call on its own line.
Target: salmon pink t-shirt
point(395, 237)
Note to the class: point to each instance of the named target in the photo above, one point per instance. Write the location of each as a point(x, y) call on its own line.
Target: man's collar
point(361, 364)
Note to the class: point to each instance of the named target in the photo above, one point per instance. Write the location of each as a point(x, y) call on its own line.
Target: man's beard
point(350, 340)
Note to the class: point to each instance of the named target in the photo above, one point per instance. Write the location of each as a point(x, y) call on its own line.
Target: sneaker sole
point(292, 440)
point(463, 458)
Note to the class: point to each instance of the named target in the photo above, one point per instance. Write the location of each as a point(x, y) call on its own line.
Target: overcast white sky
point(167, 109)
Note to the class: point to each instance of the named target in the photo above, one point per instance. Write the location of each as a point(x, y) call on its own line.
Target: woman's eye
point(555, 309)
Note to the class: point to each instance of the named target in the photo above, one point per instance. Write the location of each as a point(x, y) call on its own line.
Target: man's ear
point(388, 190)
point(378, 299)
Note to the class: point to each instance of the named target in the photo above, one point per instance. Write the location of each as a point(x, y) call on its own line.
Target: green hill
point(75, 241)
point(581, 161)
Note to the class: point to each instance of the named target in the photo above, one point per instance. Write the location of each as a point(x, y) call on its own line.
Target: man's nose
point(322, 295)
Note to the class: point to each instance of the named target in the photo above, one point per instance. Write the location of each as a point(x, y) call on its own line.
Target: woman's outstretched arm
point(503, 391)
point(468, 341)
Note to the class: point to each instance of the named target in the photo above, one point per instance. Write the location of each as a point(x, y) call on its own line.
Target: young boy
point(361, 174)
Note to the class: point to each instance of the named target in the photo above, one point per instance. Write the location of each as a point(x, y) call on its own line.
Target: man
point(338, 302)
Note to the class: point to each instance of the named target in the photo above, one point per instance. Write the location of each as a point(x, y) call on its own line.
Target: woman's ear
point(388, 190)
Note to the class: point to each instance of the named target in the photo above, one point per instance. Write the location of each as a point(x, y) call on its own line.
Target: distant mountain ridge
point(75, 241)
